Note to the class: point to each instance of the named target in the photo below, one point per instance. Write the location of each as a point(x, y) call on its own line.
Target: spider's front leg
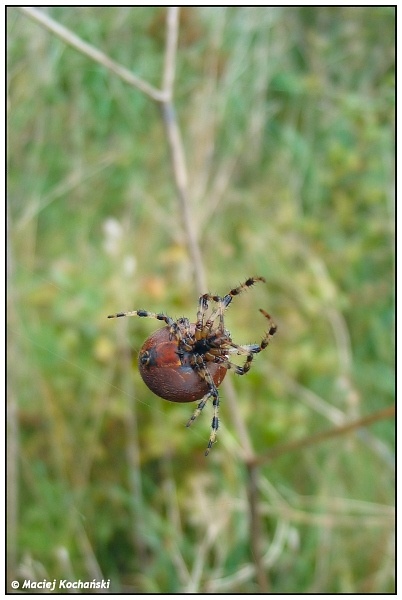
point(144, 313)
point(223, 303)
point(213, 393)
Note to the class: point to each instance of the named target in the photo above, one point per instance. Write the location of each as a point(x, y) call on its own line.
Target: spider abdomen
point(167, 370)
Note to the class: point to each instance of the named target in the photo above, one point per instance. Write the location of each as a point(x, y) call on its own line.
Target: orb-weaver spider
point(184, 362)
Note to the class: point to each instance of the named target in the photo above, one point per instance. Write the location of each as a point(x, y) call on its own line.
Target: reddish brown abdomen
point(168, 376)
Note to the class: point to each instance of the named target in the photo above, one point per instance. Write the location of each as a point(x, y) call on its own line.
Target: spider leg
point(239, 370)
point(236, 291)
point(202, 329)
point(224, 302)
point(214, 424)
point(144, 313)
point(255, 348)
point(199, 409)
point(269, 333)
point(202, 308)
point(180, 329)
point(218, 312)
point(249, 349)
point(203, 372)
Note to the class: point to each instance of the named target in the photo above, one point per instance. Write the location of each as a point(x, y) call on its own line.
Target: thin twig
point(180, 176)
point(88, 50)
point(311, 440)
point(172, 35)
point(181, 180)
point(176, 148)
point(164, 97)
point(255, 528)
point(247, 452)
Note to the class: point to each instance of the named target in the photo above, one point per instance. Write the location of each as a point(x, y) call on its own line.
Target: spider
point(185, 362)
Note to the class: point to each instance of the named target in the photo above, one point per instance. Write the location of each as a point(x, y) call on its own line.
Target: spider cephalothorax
point(184, 361)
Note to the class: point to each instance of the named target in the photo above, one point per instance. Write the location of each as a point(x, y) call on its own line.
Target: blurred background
point(287, 117)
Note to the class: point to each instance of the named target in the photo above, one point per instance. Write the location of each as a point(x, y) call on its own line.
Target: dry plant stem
point(88, 553)
point(180, 177)
point(255, 528)
point(172, 36)
point(386, 413)
point(163, 97)
point(176, 149)
point(181, 181)
point(247, 452)
point(88, 50)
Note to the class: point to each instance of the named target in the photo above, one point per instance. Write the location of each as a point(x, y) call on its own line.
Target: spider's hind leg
point(213, 393)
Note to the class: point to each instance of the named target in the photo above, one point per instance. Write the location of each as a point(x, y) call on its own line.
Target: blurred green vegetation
point(287, 117)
